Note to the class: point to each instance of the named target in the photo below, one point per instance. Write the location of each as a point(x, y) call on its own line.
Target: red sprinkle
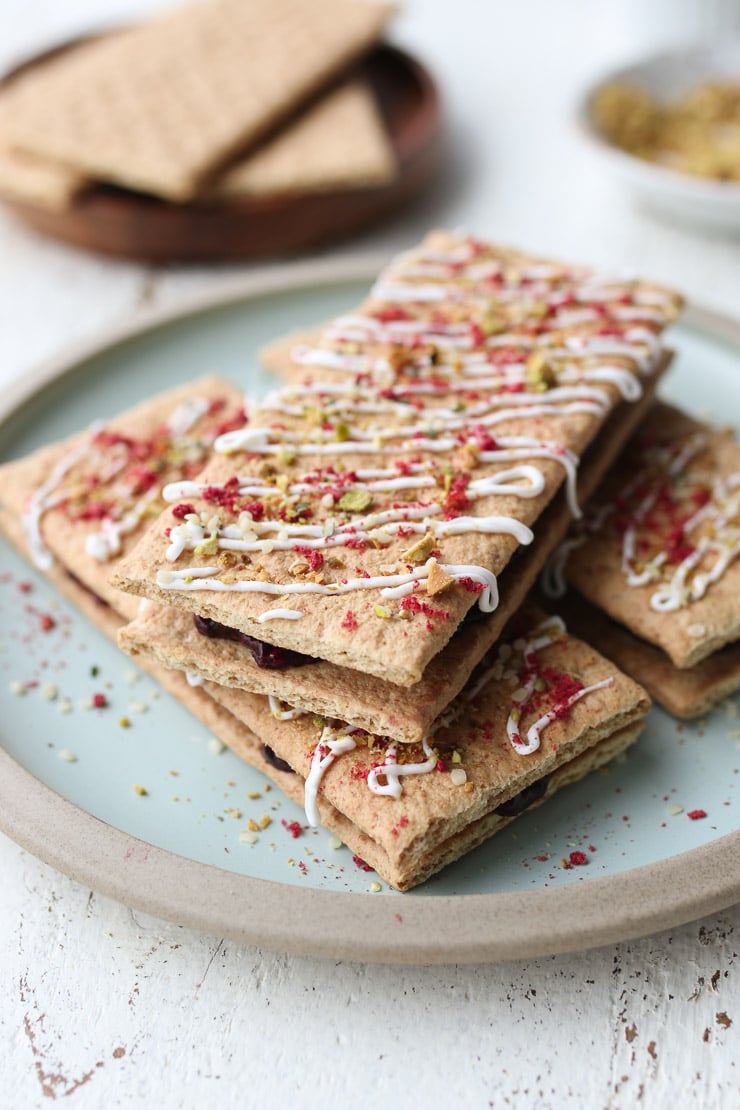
point(47, 622)
point(350, 621)
point(471, 584)
point(359, 862)
point(578, 859)
point(181, 511)
point(293, 827)
point(99, 701)
point(696, 814)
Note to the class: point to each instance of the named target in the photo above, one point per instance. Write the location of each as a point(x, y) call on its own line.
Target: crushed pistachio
point(420, 551)
point(355, 500)
point(382, 612)
point(541, 374)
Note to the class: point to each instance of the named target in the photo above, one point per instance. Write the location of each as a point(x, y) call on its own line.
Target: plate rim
point(388, 929)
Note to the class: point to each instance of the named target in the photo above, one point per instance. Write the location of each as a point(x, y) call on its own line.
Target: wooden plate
point(132, 225)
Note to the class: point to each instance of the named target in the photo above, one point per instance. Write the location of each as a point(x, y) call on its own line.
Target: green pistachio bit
point(355, 500)
point(420, 551)
point(382, 612)
point(492, 325)
point(540, 685)
point(456, 757)
point(341, 432)
point(209, 546)
point(541, 374)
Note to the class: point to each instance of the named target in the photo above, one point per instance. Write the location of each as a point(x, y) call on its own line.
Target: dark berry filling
point(267, 656)
point(275, 760)
point(524, 799)
point(96, 597)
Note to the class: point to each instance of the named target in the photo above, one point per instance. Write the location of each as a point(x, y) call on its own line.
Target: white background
point(107, 1008)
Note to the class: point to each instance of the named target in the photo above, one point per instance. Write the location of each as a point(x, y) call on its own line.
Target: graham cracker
point(112, 471)
point(293, 434)
point(164, 105)
point(168, 635)
point(696, 629)
point(338, 143)
point(686, 693)
point(37, 181)
point(437, 818)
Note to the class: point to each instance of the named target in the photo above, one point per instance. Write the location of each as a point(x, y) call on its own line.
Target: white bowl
point(680, 196)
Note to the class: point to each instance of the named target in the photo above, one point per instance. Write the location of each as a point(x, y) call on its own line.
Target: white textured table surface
point(110, 1009)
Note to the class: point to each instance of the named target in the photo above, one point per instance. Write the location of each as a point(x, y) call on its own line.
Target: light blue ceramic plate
point(180, 850)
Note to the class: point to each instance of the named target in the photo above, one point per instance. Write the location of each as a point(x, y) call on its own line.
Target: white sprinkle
point(375, 888)
point(86, 703)
point(65, 706)
point(458, 776)
point(673, 810)
point(18, 688)
point(67, 756)
point(246, 836)
point(334, 843)
point(132, 677)
point(49, 691)
point(138, 707)
point(216, 746)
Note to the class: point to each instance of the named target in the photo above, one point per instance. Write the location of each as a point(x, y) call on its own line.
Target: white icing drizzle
point(187, 414)
point(46, 497)
point(332, 743)
point(280, 712)
point(552, 579)
point(534, 731)
point(280, 615)
point(393, 771)
point(192, 535)
point(106, 543)
point(390, 585)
